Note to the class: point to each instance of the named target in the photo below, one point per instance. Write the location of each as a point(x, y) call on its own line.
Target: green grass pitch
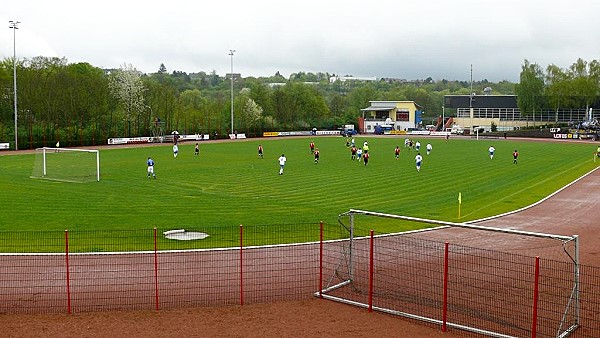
point(228, 185)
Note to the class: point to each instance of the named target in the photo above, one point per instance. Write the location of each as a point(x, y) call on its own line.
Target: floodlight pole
point(443, 119)
point(14, 25)
point(471, 113)
point(231, 51)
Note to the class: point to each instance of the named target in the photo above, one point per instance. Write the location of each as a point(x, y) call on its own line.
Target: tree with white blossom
point(125, 85)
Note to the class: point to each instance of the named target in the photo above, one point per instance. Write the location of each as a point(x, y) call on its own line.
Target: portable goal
point(67, 165)
point(483, 287)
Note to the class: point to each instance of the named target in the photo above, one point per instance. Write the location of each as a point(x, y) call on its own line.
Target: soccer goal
point(492, 281)
point(67, 165)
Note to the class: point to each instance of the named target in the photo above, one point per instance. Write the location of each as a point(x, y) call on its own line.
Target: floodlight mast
point(231, 51)
point(14, 25)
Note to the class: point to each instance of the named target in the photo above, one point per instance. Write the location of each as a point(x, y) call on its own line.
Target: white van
point(456, 129)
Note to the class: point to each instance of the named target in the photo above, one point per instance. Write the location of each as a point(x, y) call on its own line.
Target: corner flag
point(459, 203)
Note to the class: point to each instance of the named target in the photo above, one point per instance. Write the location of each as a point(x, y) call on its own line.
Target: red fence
point(441, 283)
point(150, 278)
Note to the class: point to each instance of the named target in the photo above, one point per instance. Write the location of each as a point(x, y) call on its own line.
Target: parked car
point(456, 129)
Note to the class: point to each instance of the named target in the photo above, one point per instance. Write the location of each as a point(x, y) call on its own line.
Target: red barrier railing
point(241, 264)
point(445, 300)
point(321, 259)
point(156, 269)
point(371, 271)
point(536, 287)
point(68, 277)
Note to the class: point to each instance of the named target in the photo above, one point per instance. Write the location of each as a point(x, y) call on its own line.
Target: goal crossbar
point(460, 225)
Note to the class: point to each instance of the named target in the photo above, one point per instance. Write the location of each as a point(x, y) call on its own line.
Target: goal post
point(67, 164)
point(490, 287)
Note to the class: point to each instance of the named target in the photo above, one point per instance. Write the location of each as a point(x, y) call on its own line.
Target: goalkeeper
point(150, 163)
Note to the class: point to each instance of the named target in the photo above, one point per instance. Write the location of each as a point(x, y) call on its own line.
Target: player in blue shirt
point(150, 163)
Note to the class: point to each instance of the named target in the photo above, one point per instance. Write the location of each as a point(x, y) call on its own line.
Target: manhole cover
point(182, 235)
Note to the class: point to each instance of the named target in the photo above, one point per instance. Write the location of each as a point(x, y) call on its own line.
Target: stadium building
point(481, 111)
point(390, 116)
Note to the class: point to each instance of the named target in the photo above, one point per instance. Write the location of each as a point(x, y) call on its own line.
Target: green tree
point(583, 86)
point(530, 88)
point(557, 90)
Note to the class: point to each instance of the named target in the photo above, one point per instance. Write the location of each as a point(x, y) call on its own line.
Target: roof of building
point(386, 105)
point(379, 108)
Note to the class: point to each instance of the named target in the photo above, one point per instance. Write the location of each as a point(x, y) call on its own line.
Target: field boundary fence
point(489, 292)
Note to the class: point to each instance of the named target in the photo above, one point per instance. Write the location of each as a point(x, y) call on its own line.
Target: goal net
point(67, 165)
point(480, 279)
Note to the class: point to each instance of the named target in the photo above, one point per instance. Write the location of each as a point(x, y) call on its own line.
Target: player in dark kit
point(397, 152)
point(260, 151)
point(312, 147)
point(317, 155)
point(515, 156)
point(353, 152)
point(366, 158)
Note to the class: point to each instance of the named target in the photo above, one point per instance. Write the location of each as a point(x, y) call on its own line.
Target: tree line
point(80, 104)
point(575, 87)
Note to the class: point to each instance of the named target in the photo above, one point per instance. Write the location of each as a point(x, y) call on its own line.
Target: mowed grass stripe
point(228, 185)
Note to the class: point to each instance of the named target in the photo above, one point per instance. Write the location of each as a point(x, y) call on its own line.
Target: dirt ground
point(310, 318)
point(572, 211)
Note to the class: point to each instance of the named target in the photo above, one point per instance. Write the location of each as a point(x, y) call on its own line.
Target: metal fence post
point(67, 268)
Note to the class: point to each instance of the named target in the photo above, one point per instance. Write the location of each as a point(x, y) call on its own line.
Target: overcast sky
point(409, 39)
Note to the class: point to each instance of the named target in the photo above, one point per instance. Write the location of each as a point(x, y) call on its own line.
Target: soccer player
point(150, 164)
point(281, 160)
point(353, 152)
point(366, 158)
point(359, 154)
point(515, 156)
point(365, 148)
point(196, 149)
point(397, 152)
point(175, 150)
point(316, 155)
point(418, 146)
point(312, 147)
point(418, 160)
point(260, 151)
point(491, 150)
point(429, 147)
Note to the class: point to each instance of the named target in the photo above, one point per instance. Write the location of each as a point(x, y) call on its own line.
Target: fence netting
point(80, 271)
point(488, 292)
point(492, 291)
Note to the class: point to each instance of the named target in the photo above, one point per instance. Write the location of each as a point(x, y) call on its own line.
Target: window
point(402, 115)
point(382, 115)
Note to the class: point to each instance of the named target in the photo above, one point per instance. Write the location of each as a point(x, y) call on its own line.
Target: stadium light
point(14, 25)
point(231, 51)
